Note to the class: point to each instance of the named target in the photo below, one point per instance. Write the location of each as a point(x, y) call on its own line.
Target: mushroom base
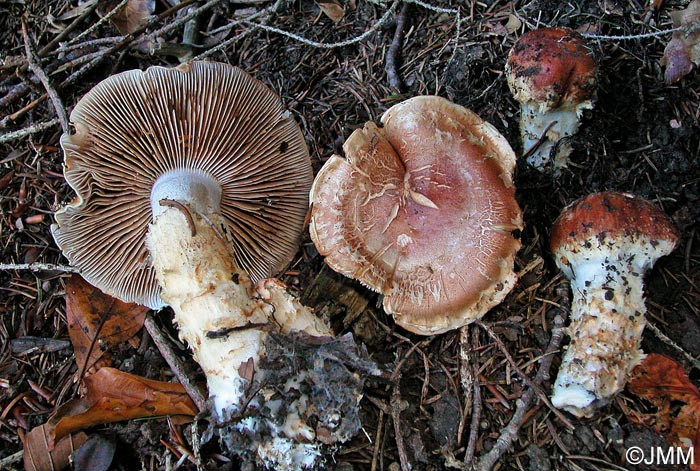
point(607, 320)
point(544, 133)
point(229, 322)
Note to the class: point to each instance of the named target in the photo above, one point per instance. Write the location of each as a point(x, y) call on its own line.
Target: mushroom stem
point(607, 321)
point(542, 132)
point(220, 313)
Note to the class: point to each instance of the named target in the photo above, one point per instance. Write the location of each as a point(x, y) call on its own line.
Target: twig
point(381, 22)
point(223, 45)
point(174, 363)
point(180, 21)
point(24, 132)
point(476, 404)
point(543, 397)
point(12, 459)
point(632, 37)
point(378, 440)
point(69, 29)
point(398, 430)
point(99, 23)
point(41, 75)
point(38, 267)
point(396, 43)
point(434, 8)
point(665, 339)
point(510, 433)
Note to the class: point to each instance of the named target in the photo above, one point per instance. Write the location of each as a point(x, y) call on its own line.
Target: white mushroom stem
point(221, 315)
point(542, 130)
point(607, 320)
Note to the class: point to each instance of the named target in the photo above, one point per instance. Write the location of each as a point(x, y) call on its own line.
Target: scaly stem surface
point(607, 320)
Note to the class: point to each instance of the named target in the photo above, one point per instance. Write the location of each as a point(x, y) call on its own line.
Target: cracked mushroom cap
point(552, 68)
point(206, 119)
point(422, 210)
point(611, 224)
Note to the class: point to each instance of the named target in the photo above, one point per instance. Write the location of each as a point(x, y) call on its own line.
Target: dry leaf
point(131, 17)
point(663, 382)
point(38, 456)
point(332, 8)
point(684, 48)
point(96, 454)
point(97, 322)
point(113, 396)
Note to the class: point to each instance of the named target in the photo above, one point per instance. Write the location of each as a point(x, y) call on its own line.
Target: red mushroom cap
point(609, 221)
point(553, 68)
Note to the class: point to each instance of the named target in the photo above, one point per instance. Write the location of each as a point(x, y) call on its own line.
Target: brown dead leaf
point(38, 456)
point(663, 382)
point(113, 396)
point(97, 322)
point(684, 48)
point(131, 17)
point(332, 9)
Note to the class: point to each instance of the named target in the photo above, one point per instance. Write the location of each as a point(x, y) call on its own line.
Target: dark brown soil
point(643, 137)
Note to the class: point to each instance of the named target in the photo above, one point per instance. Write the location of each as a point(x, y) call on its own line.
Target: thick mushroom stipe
point(423, 211)
point(604, 243)
point(553, 76)
point(197, 275)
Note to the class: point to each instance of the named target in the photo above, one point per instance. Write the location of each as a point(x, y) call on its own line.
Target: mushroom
point(553, 76)
point(422, 209)
point(192, 186)
point(604, 243)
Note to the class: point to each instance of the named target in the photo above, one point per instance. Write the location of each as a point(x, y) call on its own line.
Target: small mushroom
point(189, 180)
point(422, 210)
point(553, 76)
point(604, 243)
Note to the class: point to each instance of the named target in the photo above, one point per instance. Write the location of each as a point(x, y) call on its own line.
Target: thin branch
point(37, 267)
point(632, 37)
point(174, 362)
point(396, 44)
point(41, 75)
point(99, 23)
point(357, 39)
point(510, 433)
point(223, 45)
point(24, 132)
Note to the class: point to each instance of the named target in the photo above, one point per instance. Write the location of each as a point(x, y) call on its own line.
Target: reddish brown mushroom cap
point(609, 216)
point(552, 67)
point(205, 118)
point(422, 210)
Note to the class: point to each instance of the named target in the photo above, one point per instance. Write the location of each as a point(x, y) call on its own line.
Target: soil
point(642, 137)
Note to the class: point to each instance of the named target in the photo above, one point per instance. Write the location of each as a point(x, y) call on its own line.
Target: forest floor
point(642, 137)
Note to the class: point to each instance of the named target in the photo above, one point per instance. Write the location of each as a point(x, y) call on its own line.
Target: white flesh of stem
point(542, 130)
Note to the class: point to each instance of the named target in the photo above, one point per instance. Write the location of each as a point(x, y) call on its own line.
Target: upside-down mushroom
point(422, 210)
point(553, 75)
point(604, 243)
point(189, 180)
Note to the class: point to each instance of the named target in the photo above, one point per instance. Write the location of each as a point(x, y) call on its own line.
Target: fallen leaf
point(332, 9)
point(684, 48)
point(96, 454)
point(129, 18)
point(38, 456)
point(664, 383)
point(112, 396)
point(97, 322)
